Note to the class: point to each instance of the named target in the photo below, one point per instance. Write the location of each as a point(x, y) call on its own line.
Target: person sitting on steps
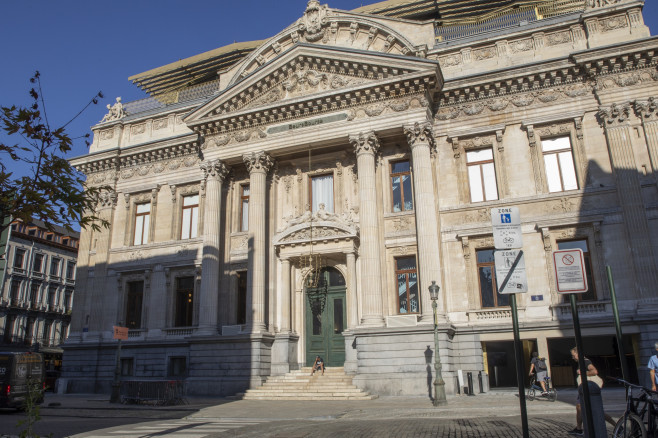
point(318, 365)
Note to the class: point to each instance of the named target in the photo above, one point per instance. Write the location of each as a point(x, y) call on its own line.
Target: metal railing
point(154, 392)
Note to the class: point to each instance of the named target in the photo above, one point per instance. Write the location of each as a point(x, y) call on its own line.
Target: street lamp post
point(439, 384)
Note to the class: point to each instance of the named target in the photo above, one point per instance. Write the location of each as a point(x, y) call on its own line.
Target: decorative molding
point(646, 109)
point(215, 169)
point(365, 143)
point(258, 161)
point(419, 133)
point(615, 115)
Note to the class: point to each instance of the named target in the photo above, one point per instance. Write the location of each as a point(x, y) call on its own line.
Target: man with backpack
point(653, 366)
point(538, 365)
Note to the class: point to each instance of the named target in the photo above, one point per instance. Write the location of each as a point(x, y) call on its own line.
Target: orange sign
point(120, 333)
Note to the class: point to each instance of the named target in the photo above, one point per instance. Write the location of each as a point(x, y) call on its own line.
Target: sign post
point(571, 278)
point(510, 266)
point(120, 333)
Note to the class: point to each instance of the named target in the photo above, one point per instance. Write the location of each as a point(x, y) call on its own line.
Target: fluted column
point(647, 111)
point(284, 298)
point(353, 313)
point(617, 131)
point(214, 172)
point(366, 146)
point(258, 164)
point(421, 139)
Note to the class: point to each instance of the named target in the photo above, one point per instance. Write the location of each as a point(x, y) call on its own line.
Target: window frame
point(333, 191)
point(411, 186)
point(556, 153)
point(189, 308)
point(244, 221)
point(131, 304)
point(42, 259)
point(145, 230)
point(193, 231)
point(480, 164)
point(55, 261)
point(406, 273)
point(494, 283)
point(70, 270)
point(19, 252)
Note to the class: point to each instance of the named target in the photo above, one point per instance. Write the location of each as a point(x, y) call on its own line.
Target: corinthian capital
point(107, 199)
point(258, 162)
point(419, 133)
point(214, 169)
point(614, 115)
point(646, 109)
point(365, 143)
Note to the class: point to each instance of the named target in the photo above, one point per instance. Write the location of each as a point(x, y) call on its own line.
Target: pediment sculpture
point(314, 19)
point(321, 224)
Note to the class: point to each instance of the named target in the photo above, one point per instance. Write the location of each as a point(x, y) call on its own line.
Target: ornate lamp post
point(439, 384)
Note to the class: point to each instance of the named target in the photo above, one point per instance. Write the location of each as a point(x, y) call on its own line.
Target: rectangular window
point(407, 281)
point(244, 208)
point(558, 162)
point(54, 267)
point(19, 258)
point(70, 270)
point(34, 294)
point(38, 263)
point(322, 192)
point(482, 175)
point(590, 295)
point(177, 367)
point(489, 295)
point(190, 220)
point(184, 301)
point(401, 186)
point(68, 299)
point(127, 366)
point(142, 222)
point(14, 292)
point(134, 297)
point(32, 232)
point(52, 297)
point(241, 311)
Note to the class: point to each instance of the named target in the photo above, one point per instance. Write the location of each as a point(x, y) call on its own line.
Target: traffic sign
point(570, 271)
point(506, 222)
point(506, 261)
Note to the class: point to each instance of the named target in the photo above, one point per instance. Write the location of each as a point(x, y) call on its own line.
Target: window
point(481, 175)
point(127, 366)
point(52, 297)
point(70, 270)
point(241, 311)
point(68, 297)
point(177, 367)
point(401, 186)
point(487, 276)
point(14, 291)
point(49, 237)
point(190, 222)
point(38, 263)
point(65, 241)
point(558, 162)
point(32, 232)
point(407, 281)
point(54, 267)
point(34, 294)
point(244, 208)
point(142, 222)
point(134, 304)
point(322, 192)
point(47, 328)
point(184, 301)
point(590, 295)
point(19, 257)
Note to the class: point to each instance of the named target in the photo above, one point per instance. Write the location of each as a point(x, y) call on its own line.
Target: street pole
point(615, 311)
point(439, 384)
point(116, 384)
point(581, 365)
point(520, 374)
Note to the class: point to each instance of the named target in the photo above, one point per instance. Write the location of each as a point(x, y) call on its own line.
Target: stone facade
point(215, 189)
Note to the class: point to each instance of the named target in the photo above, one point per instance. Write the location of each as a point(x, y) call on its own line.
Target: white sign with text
point(570, 274)
point(506, 222)
point(506, 260)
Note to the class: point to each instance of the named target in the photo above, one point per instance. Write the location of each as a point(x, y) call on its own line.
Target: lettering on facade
point(307, 123)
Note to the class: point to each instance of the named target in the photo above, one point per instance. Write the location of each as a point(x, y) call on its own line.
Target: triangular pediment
point(317, 227)
point(310, 79)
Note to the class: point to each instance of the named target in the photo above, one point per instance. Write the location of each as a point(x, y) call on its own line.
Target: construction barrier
point(153, 392)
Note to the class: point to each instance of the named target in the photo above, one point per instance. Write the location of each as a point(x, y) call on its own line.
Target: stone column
point(353, 312)
point(157, 308)
point(647, 111)
point(421, 139)
point(284, 298)
point(617, 131)
point(214, 172)
point(366, 146)
point(258, 164)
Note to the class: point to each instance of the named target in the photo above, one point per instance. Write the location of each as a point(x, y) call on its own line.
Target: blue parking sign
point(506, 218)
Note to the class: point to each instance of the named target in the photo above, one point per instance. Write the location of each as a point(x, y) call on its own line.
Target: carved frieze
point(138, 129)
point(484, 53)
point(592, 4)
point(613, 23)
point(554, 129)
point(106, 134)
point(521, 45)
point(629, 79)
point(557, 38)
point(160, 124)
point(158, 167)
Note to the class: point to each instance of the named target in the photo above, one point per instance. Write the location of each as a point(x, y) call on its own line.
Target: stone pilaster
point(647, 111)
point(353, 312)
point(366, 145)
point(258, 164)
point(421, 139)
point(214, 172)
point(284, 298)
point(157, 303)
point(617, 130)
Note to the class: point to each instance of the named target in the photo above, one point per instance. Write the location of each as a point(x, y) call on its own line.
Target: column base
point(255, 327)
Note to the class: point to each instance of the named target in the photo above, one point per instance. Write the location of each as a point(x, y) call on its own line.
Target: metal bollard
point(480, 382)
point(458, 385)
point(470, 383)
point(598, 415)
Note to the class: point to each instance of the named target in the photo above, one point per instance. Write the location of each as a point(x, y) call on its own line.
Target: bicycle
point(551, 393)
point(640, 419)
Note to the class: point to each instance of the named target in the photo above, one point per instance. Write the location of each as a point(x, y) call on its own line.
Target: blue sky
point(83, 46)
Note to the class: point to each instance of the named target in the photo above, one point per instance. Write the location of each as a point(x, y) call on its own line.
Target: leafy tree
point(52, 190)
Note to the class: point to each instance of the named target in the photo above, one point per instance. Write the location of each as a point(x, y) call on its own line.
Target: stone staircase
point(299, 385)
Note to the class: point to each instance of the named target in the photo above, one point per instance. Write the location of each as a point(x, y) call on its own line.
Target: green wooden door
point(324, 331)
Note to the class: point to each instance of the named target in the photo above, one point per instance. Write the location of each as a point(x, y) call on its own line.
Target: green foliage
point(52, 191)
point(32, 409)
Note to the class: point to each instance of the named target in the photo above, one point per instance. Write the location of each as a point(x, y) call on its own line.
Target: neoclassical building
point(273, 200)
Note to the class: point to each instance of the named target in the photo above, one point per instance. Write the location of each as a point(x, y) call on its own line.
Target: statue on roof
point(314, 19)
point(115, 111)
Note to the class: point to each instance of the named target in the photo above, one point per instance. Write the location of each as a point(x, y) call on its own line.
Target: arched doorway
point(326, 319)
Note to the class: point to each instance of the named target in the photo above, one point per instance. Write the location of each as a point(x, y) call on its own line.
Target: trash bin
point(598, 415)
